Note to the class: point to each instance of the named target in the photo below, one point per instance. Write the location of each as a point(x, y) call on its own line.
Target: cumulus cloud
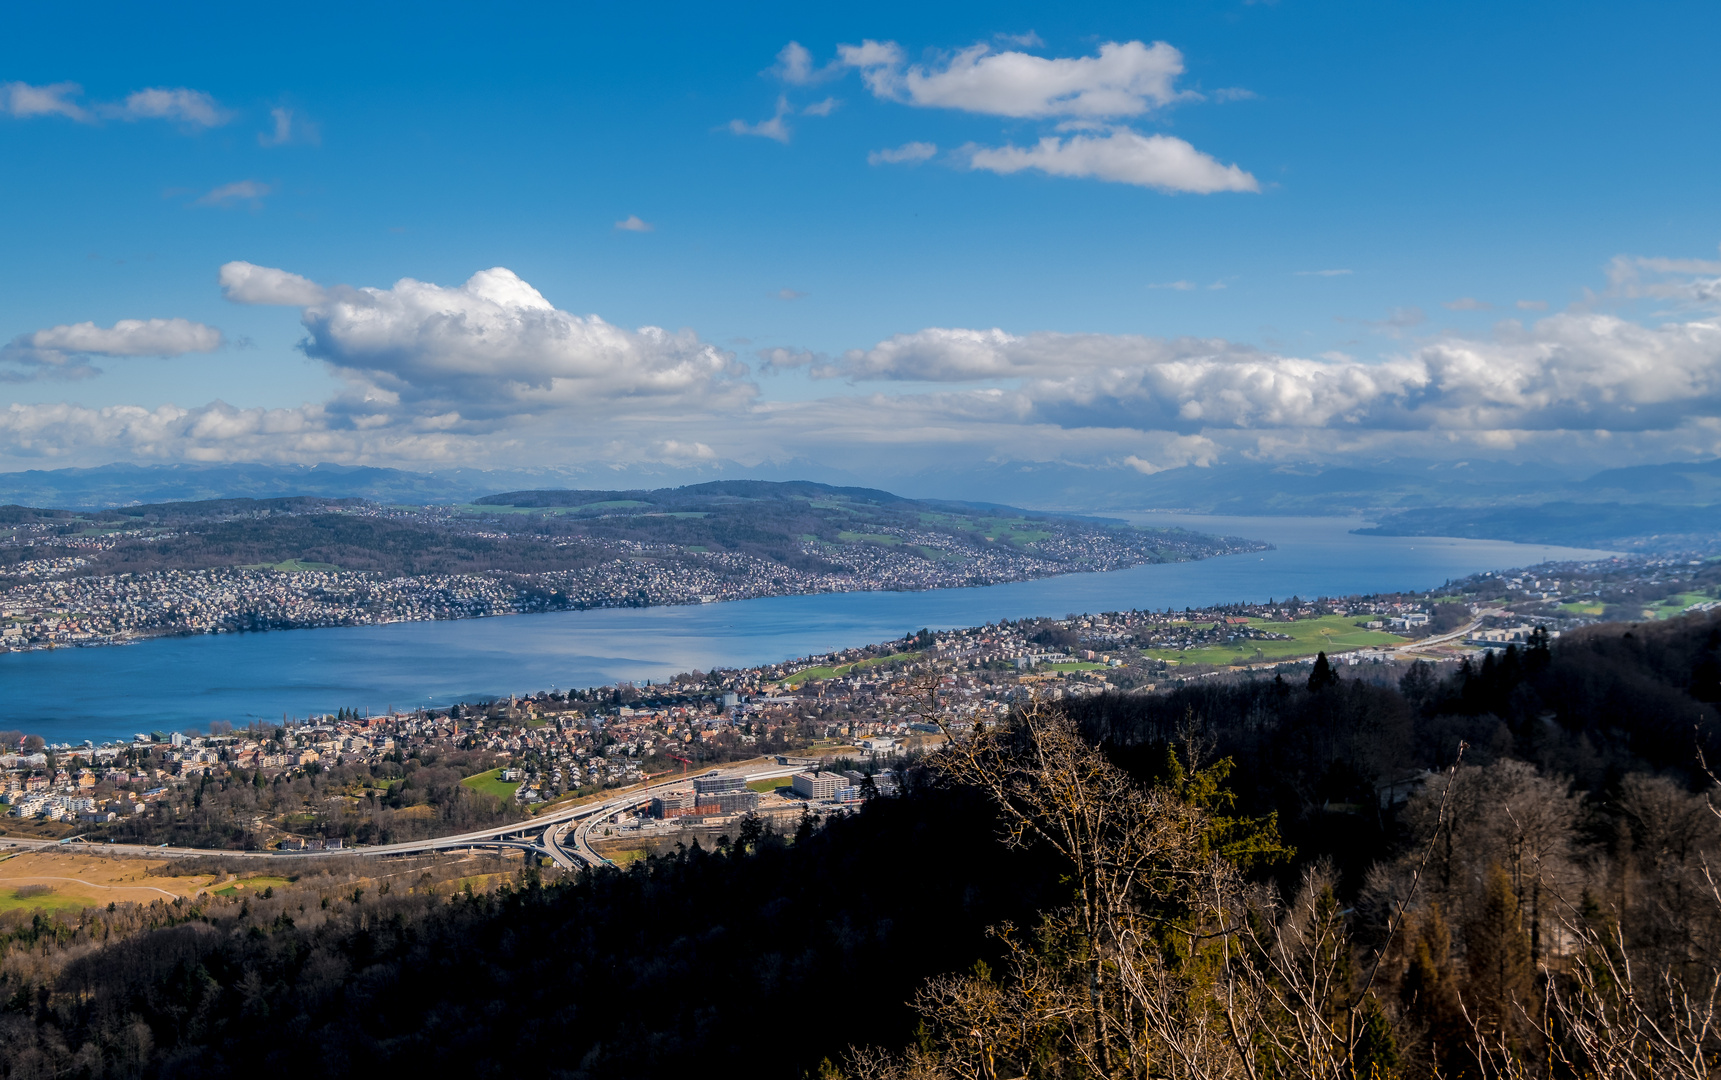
point(251, 191)
point(64, 351)
point(821, 108)
point(1161, 162)
point(1467, 303)
point(21, 100)
point(1569, 372)
point(910, 153)
point(1124, 79)
point(248, 283)
point(193, 108)
point(1532, 305)
point(490, 370)
point(474, 354)
point(633, 223)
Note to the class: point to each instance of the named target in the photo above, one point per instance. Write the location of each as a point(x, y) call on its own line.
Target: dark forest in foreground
point(1306, 844)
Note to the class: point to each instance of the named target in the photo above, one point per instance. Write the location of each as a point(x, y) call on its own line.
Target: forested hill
point(238, 565)
point(697, 495)
point(803, 526)
point(1579, 808)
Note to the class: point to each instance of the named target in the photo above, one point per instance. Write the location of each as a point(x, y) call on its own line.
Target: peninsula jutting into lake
point(226, 565)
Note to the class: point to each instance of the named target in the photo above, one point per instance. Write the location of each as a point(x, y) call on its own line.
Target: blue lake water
point(68, 695)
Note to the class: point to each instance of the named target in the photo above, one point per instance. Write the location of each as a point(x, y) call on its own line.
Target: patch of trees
point(396, 799)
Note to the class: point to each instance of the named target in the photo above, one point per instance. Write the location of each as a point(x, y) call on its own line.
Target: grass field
point(1675, 605)
point(765, 787)
point(1014, 532)
point(1586, 607)
point(81, 880)
point(804, 674)
point(256, 883)
point(1074, 665)
point(1329, 633)
point(23, 899)
point(491, 783)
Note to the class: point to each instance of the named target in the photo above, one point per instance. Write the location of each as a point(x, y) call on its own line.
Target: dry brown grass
point(90, 880)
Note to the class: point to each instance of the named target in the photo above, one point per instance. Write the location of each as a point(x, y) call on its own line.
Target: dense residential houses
point(51, 598)
point(846, 715)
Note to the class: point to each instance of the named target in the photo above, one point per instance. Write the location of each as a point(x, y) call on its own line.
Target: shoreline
point(853, 587)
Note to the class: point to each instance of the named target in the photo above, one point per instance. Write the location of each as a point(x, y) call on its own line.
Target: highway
point(547, 834)
point(1428, 643)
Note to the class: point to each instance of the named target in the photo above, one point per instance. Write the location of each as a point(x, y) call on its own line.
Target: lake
point(68, 695)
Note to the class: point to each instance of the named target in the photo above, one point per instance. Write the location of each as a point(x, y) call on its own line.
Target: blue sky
point(1203, 233)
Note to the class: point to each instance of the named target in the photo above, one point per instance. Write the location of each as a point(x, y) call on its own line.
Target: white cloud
point(632, 223)
point(794, 63)
point(821, 108)
point(1532, 305)
point(64, 351)
point(774, 128)
point(1467, 303)
point(1233, 93)
point(248, 283)
point(1124, 79)
point(1323, 273)
point(494, 347)
point(1155, 161)
point(290, 127)
point(1686, 282)
point(190, 107)
point(1568, 373)
point(795, 67)
point(910, 153)
point(23, 101)
point(1176, 453)
point(131, 337)
point(676, 450)
point(64, 433)
point(877, 61)
point(490, 371)
point(1176, 286)
point(251, 191)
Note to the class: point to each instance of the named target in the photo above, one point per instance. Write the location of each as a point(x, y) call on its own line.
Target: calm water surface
point(68, 695)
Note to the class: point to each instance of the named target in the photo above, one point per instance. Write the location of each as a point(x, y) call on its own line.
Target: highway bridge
point(562, 835)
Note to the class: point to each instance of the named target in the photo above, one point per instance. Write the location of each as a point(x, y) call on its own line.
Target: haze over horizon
point(870, 242)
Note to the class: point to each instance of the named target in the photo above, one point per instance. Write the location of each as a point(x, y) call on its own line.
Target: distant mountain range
point(1645, 507)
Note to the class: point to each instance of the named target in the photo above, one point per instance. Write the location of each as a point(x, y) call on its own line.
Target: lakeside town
point(53, 593)
point(349, 777)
